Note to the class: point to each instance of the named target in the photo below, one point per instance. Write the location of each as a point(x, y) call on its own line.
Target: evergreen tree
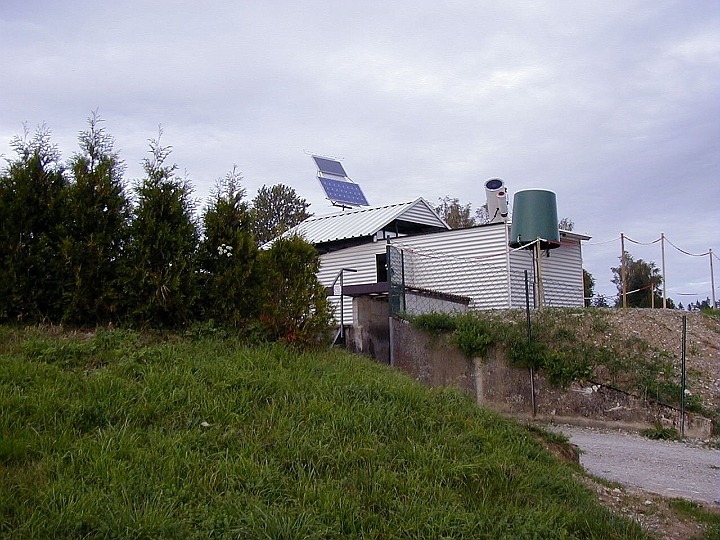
point(160, 283)
point(97, 218)
point(588, 287)
point(32, 270)
point(228, 255)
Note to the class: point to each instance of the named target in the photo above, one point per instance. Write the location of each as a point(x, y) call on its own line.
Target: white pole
point(623, 271)
point(662, 246)
point(541, 289)
point(712, 278)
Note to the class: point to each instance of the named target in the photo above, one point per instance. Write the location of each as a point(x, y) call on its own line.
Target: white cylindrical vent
point(496, 196)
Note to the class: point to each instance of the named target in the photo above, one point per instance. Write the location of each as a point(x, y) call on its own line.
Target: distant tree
point(588, 287)
point(33, 274)
point(482, 215)
point(705, 305)
point(643, 280)
point(228, 254)
point(160, 281)
point(456, 215)
point(600, 301)
point(98, 211)
point(566, 224)
point(275, 210)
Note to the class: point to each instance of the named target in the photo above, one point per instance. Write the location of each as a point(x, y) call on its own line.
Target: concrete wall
point(429, 360)
point(370, 333)
point(494, 383)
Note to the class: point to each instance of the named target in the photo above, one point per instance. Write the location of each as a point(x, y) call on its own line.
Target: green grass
point(118, 435)
point(698, 514)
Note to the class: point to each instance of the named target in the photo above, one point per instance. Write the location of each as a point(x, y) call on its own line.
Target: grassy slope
point(105, 437)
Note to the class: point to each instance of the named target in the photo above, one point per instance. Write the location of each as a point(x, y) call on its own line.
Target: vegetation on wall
point(563, 345)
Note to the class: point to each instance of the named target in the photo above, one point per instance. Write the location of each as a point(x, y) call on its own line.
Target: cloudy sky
point(612, 105)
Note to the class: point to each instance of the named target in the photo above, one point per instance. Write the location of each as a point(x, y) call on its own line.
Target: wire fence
point(662, 241)
point(423, 281)
point(430, 280)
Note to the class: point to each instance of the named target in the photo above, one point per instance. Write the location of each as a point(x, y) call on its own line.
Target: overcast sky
point(612, 105)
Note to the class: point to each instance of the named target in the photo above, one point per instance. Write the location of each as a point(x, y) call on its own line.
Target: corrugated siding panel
point(467, 262)
point(561, 273)
point(362, 222)
point(420, 212)
point(360, 258)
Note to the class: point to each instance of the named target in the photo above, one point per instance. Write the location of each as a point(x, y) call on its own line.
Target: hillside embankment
point(619, 368)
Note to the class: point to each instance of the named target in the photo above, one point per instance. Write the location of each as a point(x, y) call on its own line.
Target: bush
point(292, 303)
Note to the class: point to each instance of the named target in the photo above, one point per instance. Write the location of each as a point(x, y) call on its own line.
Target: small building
point(407, 256)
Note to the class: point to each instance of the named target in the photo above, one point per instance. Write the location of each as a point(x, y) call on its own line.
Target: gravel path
point(670, 469)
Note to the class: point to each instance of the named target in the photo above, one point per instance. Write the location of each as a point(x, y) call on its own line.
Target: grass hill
point(116, 434)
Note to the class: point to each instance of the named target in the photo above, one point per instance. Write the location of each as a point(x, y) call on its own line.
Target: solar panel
point(341, 192)
point(329, 166)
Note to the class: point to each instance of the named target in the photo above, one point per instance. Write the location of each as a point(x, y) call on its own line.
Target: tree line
point(79, 246)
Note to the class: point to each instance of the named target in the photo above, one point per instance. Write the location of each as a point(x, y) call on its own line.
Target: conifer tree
point(228, 255)
point(160, 283)
point(97, 219)
point(32, 271)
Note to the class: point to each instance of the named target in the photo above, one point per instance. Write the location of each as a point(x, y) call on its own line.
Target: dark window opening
point(381, 267)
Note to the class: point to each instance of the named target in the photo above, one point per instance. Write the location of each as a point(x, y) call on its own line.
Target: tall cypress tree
point(32, 271)
point(160, 283)
point(228, 255)
point(97, 219)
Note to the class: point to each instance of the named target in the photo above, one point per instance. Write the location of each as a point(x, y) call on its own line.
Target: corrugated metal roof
point(365, 221)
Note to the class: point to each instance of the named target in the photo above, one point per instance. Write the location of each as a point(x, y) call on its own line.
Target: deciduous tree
point(275, 210)
point(456, 215)
point(643, 281)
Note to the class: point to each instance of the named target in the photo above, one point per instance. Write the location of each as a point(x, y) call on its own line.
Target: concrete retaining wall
point(494, 383)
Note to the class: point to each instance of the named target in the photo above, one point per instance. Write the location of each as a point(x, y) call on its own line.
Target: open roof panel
point(329, 166)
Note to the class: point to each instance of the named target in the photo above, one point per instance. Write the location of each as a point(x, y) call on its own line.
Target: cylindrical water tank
point(534, 216)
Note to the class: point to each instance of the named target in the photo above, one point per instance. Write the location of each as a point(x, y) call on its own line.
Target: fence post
point(712, 278)
point(623, 271)
point(682, 377)
point(529, 338)
point(664, 276)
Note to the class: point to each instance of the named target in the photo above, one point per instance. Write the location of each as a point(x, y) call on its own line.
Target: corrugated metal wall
point(360, 258)
point(472, 262)
point(561, 275)
point(468, 262)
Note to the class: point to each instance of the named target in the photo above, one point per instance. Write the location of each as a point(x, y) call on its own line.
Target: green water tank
point(534, 216)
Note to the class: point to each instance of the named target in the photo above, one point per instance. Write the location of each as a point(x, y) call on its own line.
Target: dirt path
point(670, 469)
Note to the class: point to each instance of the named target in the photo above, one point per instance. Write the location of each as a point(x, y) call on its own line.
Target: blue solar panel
point(341, 192)
point(329, 166)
